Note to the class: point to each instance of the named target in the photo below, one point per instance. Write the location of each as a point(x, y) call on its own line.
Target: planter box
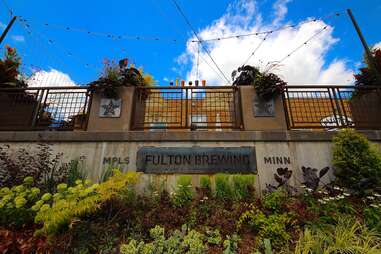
point(366, 110)
point(17, 110)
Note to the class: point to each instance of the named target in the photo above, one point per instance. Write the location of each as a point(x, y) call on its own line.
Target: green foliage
point(183, 195)
point(10, 69)
point(231, 244)
point(205, 183)
point(243, 186)
point(107, 172)
point(348, 236)
point(16, 203)
point(179, 242)
point(275, 199)
point(40, 163)
point(267, 85)
point(234, 187)
point(75, 171)
point(223, 187)
point(213, 236)
point(357, 162)
point(70, 204)
point(273, 226)
point(372, 217)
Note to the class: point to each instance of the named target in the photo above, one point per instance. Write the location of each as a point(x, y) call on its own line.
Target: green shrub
point(213, 236)
point(224, 189)
point(273, 226)
point(16, 204)
point(183, 195)
point(372, 217)
point(243, 186)
point(205, 183)
point(348, 236)
point(231, 244)
point(75, 172)
point(71, 203)
point(357, 162)
point(275, 199)
point(188, 242)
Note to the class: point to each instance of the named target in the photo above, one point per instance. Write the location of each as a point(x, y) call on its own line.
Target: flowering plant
point(16, 203)
point(118, 75)
point(368, 75)
point(9, 69)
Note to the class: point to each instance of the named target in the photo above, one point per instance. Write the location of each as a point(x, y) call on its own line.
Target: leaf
point(288, 174)
point(281, 171)
point(278, 179)
point(267, 244)
point(323, 172)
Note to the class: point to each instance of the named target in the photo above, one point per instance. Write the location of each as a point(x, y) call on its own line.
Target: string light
point(198, 38)
point(174, 40)
point(296, 49)
point(255, 50)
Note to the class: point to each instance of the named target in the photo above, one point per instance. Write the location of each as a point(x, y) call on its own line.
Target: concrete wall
point(300, 148)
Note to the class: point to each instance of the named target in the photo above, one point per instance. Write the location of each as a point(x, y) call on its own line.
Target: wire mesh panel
point(186, 108)
point(213, 109)
point(330, 107)
point(62, 108)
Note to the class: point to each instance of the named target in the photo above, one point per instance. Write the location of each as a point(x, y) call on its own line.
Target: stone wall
point(291, 149)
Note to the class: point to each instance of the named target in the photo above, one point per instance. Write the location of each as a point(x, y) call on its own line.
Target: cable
point(296, 49)
point(53, 42)
point(237, 36)
point(198, 38)
point(256, 49)
point(173, 40)
point(8, 8)
point(198, 60)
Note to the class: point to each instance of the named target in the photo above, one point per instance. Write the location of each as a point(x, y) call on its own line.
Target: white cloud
point(377, 45)
point(2, 26)
point(280, 7)
point(306, 66)
point(52, 77)
point(60, 104)
point(18, 38)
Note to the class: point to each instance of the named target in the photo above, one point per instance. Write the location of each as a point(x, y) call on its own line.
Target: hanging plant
point(267, 85)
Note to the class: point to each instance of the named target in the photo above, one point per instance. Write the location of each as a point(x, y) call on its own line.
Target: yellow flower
point(20, 202)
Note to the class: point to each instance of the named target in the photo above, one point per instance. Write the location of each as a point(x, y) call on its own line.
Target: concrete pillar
point(260, 115)
point(121, 123)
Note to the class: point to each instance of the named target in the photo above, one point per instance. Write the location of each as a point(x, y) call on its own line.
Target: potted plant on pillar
point(366, 100)
point(12, 98)
point(268, 87)
point(114, 79)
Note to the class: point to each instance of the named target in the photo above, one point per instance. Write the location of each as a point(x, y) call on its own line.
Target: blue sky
point(330, 58)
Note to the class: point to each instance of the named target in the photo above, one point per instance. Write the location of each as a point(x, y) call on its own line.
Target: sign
point(110, 107)
point(262, 108)
point(196, 160)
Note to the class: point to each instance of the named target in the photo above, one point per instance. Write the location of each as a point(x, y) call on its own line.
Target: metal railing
point(213, 108)
point(332, 107)
point(44, 108)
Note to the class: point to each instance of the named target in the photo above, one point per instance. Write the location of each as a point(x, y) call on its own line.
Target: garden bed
point(222, 214)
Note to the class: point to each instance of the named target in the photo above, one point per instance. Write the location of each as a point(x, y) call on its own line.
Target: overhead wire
point(256, 49)
point(196, 35)
point(277, 63)
point(10, 11)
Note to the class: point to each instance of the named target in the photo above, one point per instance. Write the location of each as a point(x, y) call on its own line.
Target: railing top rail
point(46, 88)
point(187, 87)
point(333, 86)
